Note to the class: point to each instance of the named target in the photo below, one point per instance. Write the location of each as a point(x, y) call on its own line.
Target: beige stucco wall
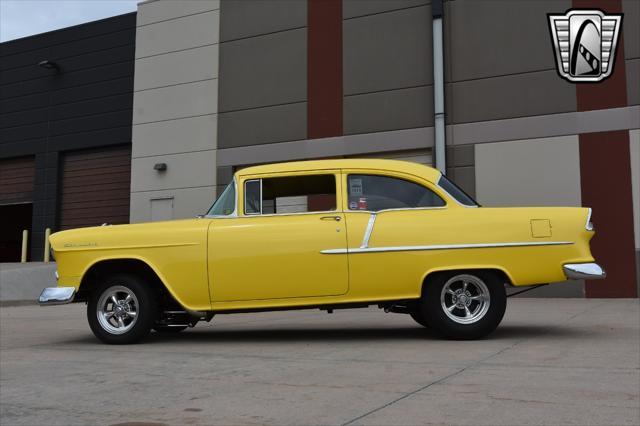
point(532, 172)
point(175, 107)
point(543, 172)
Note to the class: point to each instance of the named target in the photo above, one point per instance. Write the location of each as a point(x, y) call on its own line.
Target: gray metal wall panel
point(510, 96)
point(633, 81)
point(186, 66)
point(150, 12)
point(390, 110)
point(354, 8)
point(262, 125)
point(631, 29)
point(185, 32)
point(249, 18)
point(388, 51)
point(496, 37)
point(262, 71)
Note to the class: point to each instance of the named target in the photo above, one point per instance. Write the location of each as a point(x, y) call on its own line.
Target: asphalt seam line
point(475, 364)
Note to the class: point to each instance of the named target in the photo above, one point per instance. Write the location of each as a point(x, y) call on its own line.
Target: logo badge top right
point(585, 44)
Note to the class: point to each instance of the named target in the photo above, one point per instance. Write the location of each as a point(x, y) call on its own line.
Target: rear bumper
point(584, 271)
point(56, 295)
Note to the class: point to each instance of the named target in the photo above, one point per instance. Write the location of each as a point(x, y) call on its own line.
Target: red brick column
point(324, 68)
point(605, 169)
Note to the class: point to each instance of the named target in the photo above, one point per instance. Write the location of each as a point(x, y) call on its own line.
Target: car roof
point(417, 169)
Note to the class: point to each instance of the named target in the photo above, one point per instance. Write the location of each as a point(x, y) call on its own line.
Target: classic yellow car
point(328, 234)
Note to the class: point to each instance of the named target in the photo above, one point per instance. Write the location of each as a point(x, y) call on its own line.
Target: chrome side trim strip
point(442, 247)
point(368, 231)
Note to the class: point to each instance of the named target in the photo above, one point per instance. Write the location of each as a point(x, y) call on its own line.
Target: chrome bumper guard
point(584, 271)
point(56, 295)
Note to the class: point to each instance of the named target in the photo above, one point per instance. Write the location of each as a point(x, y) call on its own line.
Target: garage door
point(95, 187)
point(16, 180)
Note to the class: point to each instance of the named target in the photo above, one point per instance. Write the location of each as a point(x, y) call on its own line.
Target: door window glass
point(291, 194)
point(373, 193)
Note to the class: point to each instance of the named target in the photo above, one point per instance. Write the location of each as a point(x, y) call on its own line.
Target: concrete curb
point(22, 283)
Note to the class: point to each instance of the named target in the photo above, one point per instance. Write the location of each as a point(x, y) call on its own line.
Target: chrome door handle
point(336, 218)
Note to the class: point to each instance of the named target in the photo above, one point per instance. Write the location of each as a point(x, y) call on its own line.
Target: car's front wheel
point(464, 305)
point(122, 309)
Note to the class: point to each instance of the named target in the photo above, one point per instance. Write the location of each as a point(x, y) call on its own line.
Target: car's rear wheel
point(464, 305)
point(122, 309)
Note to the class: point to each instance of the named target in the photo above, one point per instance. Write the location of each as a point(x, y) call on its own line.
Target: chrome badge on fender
point(585, 44)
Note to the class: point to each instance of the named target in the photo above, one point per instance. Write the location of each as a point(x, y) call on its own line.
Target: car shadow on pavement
point(211, 335)
point(288, 335)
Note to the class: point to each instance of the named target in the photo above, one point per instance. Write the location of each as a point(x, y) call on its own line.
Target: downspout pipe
point(438, 87)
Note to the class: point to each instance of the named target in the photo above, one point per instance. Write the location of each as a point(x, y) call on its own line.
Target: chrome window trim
point(441, 247)
point(245, 197)
point(298, 213)
point(331, 212)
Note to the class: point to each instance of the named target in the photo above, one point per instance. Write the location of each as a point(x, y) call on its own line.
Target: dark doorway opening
point(14, 218)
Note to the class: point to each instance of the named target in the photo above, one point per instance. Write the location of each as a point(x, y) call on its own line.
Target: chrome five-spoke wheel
point(122, 308)
point(465, 299)
point(464, 304)
point(117, 309)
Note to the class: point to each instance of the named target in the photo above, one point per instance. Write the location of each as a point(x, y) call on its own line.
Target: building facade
point(220, 85)
point(66, 100)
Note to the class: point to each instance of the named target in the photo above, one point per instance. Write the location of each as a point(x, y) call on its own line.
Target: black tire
point(146, 309)
point(482, 320)
point(167, 329)
point(419, 318)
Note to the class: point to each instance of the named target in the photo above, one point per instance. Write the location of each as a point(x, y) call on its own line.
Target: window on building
point(291, 194)
point(373, 193)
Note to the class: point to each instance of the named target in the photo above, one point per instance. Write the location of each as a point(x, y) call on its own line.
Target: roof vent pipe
point(438, 87)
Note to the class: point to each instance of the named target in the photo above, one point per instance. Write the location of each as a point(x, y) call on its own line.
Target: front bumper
point(584, 271)
point(56, 295)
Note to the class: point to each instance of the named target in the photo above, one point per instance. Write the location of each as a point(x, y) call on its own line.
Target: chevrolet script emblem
point(585, 43)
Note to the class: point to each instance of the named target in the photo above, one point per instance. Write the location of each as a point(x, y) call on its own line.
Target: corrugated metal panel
point(95, 187)
point(16, 180)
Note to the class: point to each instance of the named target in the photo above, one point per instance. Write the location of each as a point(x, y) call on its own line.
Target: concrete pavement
point(552, 361)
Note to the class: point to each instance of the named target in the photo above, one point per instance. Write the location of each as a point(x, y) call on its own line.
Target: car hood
point(175, 232)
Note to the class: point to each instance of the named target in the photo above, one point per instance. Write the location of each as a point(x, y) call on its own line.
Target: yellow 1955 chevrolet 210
point(322, 234)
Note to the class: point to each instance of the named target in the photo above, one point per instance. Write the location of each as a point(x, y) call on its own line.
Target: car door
point(388, 217)
point(272, 248)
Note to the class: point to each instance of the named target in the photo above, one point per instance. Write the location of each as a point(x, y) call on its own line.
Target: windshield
point(457, 193)
point(225, 205)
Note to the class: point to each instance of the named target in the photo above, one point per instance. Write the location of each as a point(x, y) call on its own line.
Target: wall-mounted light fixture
point(50, 65)
point(161, 167)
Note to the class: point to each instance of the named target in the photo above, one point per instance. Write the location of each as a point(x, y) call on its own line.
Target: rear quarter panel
point(401, 273)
